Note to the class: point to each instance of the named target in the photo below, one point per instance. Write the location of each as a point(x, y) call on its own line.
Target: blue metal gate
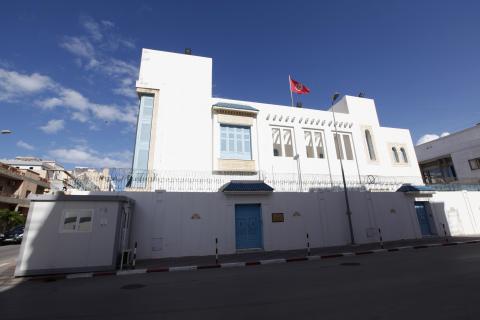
point(422, 216)
point(248, 226)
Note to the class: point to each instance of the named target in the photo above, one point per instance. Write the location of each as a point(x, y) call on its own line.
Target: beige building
point(16, 185)
point(57, 176)
point(92, 179)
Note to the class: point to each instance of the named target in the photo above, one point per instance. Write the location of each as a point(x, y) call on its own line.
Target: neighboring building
point(55, 173)
point(16, 185)
point(198, 142)
point(93, 179)
point(454, 158)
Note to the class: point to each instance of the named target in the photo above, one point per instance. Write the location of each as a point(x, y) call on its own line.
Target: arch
point(395, 155)
point(404, 155)
point(371, 150)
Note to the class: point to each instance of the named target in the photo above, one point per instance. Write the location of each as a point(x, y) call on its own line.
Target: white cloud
point(13, 84)
point(53, 126)
point(79, 46)
point(430, 137)
point(108, 24)
point(24, 145)
point(119, 68)
point(93, 51)
point(49, 103)
point(82, 156)
point(126, 88)
point(82, 108)
point(79, 116)
point(92, 27)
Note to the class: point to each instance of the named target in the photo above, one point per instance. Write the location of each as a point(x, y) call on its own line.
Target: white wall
point(184, 130)
point(163, 224)
point(459, 210)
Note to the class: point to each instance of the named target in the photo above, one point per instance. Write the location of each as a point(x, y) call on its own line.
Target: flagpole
point(290, 87)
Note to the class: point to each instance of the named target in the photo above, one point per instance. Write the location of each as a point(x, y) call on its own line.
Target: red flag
point(298, 87)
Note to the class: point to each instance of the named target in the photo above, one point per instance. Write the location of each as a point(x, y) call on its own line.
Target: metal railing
point(119, 179)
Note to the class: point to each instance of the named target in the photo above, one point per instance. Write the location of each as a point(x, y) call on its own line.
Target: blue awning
point(234, 106)
point(412, 188)
point(246, 186)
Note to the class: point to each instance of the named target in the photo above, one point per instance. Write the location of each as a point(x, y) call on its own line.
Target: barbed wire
point(120, 179)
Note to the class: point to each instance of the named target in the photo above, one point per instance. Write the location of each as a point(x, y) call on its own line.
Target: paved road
point(434, 283)
point(8, 256)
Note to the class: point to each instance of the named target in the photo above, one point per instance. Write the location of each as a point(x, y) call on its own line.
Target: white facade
point(180, 133)
point(455, 157)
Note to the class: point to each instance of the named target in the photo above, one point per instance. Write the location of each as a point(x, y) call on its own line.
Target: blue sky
point(67, 69)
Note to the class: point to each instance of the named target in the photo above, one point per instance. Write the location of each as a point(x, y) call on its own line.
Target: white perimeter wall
point(163, 224)
point(459, 210)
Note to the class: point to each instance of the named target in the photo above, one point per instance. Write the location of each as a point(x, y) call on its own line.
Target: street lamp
point(299, 173)
point(337, 146)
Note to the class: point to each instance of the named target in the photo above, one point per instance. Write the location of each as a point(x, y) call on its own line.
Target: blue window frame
point(235, 142)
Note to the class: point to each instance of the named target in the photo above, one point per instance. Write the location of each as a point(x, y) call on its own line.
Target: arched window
point(404, 155)
point(395, 155)
point(371, 151)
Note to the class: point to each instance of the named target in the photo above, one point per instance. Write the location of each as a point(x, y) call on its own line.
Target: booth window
point(79, 220)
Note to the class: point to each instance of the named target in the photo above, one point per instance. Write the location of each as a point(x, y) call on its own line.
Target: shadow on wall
point(438, 219)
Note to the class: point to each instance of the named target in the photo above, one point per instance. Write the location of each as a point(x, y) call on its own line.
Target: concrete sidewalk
point(289, 254)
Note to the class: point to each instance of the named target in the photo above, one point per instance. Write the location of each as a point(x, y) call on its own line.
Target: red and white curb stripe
point(248, 263)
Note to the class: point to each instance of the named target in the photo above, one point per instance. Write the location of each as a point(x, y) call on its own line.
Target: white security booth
point(75, 233)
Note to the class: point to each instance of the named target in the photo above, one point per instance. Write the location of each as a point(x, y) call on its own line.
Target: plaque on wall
point(277, 217)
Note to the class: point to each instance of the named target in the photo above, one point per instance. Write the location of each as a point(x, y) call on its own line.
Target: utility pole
point(338, 144)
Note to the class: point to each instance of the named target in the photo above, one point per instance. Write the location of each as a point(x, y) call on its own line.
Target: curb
point(244, 264)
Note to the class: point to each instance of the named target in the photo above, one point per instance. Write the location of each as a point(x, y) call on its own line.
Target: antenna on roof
point(188, 51)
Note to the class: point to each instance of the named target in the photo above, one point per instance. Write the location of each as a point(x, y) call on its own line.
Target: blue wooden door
point(423, 218)
point(248, 226)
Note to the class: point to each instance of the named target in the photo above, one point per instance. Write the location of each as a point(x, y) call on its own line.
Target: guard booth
point(75, 233)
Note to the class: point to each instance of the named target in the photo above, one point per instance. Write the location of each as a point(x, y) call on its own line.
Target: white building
point(452, 158)
point(203, 141)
